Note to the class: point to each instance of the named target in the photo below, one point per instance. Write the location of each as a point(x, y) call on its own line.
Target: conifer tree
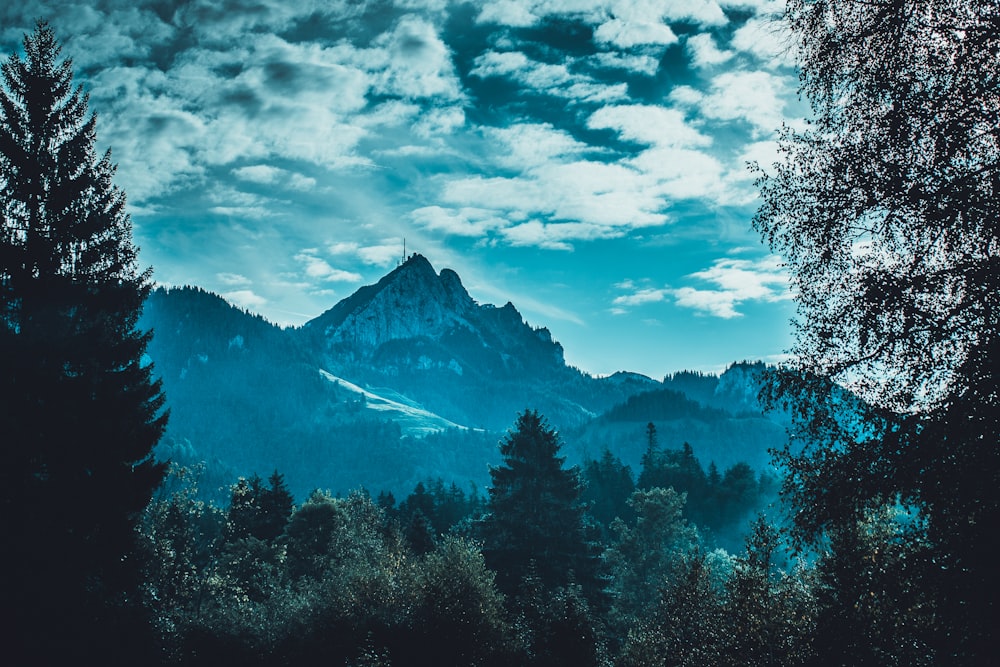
point(535, 518)
point(79, 410)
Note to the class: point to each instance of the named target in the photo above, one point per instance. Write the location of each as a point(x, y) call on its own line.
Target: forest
point(881, 552)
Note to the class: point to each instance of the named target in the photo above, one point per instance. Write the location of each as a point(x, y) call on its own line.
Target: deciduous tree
point(886, 211)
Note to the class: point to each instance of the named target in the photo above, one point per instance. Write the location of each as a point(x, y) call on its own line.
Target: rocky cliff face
point(410, 302)
point(421, 334)
point(419, 319)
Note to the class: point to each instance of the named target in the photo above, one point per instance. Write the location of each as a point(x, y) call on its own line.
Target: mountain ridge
point(406, 376)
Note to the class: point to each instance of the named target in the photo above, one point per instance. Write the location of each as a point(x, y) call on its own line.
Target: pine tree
point(535, 518)
point(79, 411)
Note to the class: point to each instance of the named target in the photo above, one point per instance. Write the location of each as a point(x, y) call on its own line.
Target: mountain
point(421, 334)
point(718, 415)
point(408, 378)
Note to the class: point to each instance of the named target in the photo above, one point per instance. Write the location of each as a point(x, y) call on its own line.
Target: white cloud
point(552, 79)
point(513, 13)
point(626, 34)
point(632, 21)
point(736, 281)
point(755, 97)
point(517, 66)
point(717, 303)
point(535, 144)
point(343, 248)
point(267, 175)
point(641, 296)
point(441, 121)
point(637, 63)
point(767, 40)
point(232, 279)
point(380, 255)
point(557, 235)
point(467, 221)
point(318, 268)
point(648, 124)
point(704, 52)
point(245, 298)
point(412, 61)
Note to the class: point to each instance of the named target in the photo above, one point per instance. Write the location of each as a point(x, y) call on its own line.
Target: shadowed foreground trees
point(79, 412)
point(886, 211)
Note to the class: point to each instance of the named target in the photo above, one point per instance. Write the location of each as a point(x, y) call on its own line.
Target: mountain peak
point(410, 301)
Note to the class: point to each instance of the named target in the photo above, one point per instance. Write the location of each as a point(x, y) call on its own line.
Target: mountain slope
point(421, 334)
point(411, 377)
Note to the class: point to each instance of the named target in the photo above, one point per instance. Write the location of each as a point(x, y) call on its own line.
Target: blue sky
point(584, 159)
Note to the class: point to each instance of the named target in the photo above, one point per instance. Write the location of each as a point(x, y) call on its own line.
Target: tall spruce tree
point(535, 522)
point(79, 411)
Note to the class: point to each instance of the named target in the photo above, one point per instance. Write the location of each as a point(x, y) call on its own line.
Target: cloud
point(736, 281)
point(546, 78)
point(635, 63)
point(232, 279)
point(604, 200)
point(343, 248)
point(380, 255)
point(245, 298)
point(676, 164)
point(467, 221)
point(767, 40)
point(532, 145)
point(268, 175)
point(317, 268)
point(648, 124)
point(641, 296)
point(626, 34)
point(412, 61)
point(704, 52)
point(624, 23)
point(732, 282)
point(512, 13)
point(754, 97)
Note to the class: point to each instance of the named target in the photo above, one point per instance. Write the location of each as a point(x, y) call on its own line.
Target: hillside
point(411, 377)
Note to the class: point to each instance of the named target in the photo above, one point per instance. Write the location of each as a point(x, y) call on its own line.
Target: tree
point(535, 518)
point(646, 554)
point(258, 511)
point(686, 627)
point(79, 411)
point(609, 485)
point(886, 211)
point(769, 613)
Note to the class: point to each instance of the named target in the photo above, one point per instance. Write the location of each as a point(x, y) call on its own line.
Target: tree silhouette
point(886, 212)
point(79, 411)
point(535, 519)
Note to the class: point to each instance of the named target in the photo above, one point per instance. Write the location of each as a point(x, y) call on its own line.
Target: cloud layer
point(280, 152)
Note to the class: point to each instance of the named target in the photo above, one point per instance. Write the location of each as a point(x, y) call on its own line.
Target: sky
point(585, 160)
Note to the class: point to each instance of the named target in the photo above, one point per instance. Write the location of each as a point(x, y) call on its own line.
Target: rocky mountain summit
point(414, 318)
point(422, 334)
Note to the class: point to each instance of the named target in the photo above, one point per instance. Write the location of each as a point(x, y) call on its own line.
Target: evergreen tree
point(79, 411)
point(609, 486)
point(535, 518)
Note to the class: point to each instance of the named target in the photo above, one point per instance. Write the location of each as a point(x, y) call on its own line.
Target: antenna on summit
point(404, 252)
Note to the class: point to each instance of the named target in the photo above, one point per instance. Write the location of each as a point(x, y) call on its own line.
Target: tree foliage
point(535, 519)
point(79, 411)
point(886, 211)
